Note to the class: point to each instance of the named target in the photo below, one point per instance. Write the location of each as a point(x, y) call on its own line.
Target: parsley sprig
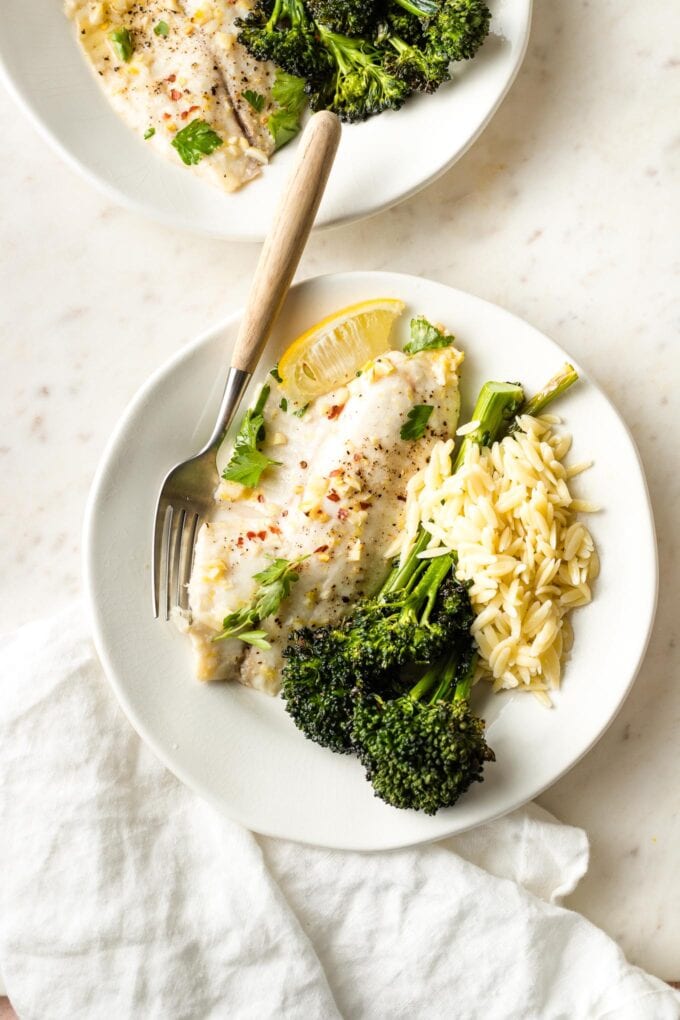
point(416, 421)
point(426, 337)
point(247, 462)
point(195, 141)
point(275, 584)
point(288, 92)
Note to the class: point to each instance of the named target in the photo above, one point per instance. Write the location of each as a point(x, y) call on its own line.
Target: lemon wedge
point(332, 352)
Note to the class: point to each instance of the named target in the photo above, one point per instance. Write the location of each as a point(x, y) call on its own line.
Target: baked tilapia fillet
point(186, 64)
point(337, 497)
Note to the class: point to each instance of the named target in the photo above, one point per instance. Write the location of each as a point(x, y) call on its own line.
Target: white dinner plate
point(379, 163)
point(237, 747)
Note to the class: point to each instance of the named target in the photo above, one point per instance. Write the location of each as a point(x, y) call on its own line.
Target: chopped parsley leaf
point(301, 411)
point(275, 583)
point(149, 133)
point(284, 404)
point(416, 421)
point(162, 28)
point(275, 373)
point(255, 99)
point(426, 337)
point(122, 44)
point(247, 463)
point(195, 141)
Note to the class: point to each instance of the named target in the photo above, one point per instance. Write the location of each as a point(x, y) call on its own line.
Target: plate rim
point(93, 613)
point(121, 198)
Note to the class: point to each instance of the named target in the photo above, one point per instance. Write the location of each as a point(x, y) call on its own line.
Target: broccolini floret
point(458, 29)
point(423, 70)
point(398, 22)
point(413, 619)
point(425, 748)
point(282, 31)
point(317, 685)
point(348, 17)
point(360, 86)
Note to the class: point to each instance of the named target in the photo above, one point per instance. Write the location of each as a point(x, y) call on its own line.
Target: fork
point(186, 495)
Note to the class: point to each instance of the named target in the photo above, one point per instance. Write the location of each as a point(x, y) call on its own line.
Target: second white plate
point(238, 748)
point(379, 163)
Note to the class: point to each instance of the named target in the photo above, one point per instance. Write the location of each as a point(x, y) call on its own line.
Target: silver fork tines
point(185, 500)
point(177, 533)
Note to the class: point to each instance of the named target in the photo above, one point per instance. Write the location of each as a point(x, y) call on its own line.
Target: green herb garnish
point(301, 411)
point(122, 44)
point(275, 583)
point(254, 99)
point(149, 133)
point(162, 28)
point(426, 337)
point(195, 141)
point(288, 92)
point(247, 463)
point(284, 404)
point(416, 421)
point(275, 373)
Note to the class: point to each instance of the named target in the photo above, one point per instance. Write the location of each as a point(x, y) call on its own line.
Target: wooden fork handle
point(287, 238)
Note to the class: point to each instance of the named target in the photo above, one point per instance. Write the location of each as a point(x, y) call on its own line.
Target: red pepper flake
point(171, 77)
point(303, 464)
point(166, 116)
point(275, 529)
point(260, 497)
point(343, 513)
point(336, 474)
point(357, 457)
point(250, 535)
point(364, 506)
point(262, 535)
point(239, 541)
point(321, 549)
point(186, 113)
point(335, 411)
point(175, 95)
point(333, 496)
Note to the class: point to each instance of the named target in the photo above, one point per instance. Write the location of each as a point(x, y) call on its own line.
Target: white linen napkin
point(123, 895)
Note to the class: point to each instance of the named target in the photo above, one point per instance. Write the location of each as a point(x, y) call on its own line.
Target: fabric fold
point(123, 894)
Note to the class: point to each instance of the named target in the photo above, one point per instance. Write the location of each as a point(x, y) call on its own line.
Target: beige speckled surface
point(566, 212)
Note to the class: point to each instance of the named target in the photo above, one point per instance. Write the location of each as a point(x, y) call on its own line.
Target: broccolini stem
point(464, 686)
point(426, 682)
point(438, 572)
point(446, 674)
point(416, 576)
point(425, 592)
point(554, 388)
point(276, 13)
point(400, 576)
point(421, 8)
point(497, 405)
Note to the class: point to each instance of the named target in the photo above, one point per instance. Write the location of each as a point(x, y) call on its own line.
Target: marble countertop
point(566, 212)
